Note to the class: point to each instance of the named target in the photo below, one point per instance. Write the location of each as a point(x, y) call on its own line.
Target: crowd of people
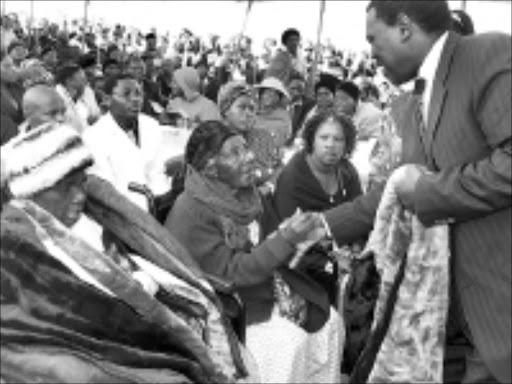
point(189, 211)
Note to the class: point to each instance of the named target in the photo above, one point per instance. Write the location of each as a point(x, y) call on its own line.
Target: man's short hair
point(110, 62)
point(66, 72)
point(290, 32)
point(87, 61)
point(432, 16)
point(112, 82)
point(462, 23)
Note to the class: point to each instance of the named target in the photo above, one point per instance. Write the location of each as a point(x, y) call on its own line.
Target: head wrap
point(229, 93)
point(189, 82)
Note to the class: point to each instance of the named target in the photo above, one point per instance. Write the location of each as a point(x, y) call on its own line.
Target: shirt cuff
point(329, 232)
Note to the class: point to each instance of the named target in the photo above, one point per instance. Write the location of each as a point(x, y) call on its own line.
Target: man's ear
point(405, 27)
point(210, 169)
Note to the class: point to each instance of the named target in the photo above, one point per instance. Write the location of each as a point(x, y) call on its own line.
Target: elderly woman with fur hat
point(72, 313)
point(187, 99)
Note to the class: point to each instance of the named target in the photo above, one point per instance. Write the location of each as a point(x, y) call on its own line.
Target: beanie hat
point(229, 93)
point(40, 158)
point(350, 89)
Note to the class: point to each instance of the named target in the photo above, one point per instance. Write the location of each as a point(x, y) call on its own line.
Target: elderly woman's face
point(235, 164)
point(242, 114)
point(329, 143)
point(66, 200)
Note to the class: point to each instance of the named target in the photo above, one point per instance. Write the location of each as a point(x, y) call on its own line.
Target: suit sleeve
point(351, 221)
point(473, 190)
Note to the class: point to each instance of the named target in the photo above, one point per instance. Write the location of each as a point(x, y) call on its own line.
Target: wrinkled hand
point(407, 178)
point(303, 227)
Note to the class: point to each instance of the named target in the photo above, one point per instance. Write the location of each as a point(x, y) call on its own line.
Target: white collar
point(429, 67)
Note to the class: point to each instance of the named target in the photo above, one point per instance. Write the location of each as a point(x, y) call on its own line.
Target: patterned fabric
point(267, 154)
point(290, 305)
point(386, 153)
point(412, 349)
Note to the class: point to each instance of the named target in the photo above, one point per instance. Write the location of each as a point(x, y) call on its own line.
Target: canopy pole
point(31, 18)
point(316, 61)
point(85, 21)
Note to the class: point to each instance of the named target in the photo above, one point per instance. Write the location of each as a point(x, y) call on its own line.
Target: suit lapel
point(439, 90)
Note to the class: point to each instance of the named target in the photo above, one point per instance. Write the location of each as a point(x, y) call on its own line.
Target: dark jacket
point(468, 146)
point(297, 187)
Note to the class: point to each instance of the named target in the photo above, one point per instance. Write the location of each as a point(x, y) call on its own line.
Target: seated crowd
point(163, 221)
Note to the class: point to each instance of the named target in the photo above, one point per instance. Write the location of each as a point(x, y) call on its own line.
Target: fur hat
point(40, 158)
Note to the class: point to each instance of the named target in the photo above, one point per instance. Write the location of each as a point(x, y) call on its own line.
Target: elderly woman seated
point(71, 313)
point(292, 332)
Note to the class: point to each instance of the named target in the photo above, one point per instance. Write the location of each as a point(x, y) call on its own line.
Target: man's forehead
point(128, 84)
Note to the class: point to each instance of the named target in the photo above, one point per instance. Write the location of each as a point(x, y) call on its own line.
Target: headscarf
point(229, 93)
point(189, 82)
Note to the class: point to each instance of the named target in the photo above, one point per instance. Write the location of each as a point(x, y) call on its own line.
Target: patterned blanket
point(408, 333)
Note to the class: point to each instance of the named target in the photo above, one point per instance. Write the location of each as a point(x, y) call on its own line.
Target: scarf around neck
point(243, 208)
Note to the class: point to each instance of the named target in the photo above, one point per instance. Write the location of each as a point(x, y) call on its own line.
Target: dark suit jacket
point(469, 148)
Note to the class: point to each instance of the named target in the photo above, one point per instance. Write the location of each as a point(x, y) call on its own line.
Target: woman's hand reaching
point(303, 227)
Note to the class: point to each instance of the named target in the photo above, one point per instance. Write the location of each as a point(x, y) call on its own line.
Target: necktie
point(419, 89)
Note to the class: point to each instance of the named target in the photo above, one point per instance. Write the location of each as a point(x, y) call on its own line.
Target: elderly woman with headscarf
point(71, 313)
point(292, 332)
point(188, 101)
point(238, 109)
point(272, 113)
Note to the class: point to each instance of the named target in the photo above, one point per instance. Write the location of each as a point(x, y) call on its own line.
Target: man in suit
point(457, 142)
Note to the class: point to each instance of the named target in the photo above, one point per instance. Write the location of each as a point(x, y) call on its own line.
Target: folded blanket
point(408, 333)
point(105, 324)
point(152, 242)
